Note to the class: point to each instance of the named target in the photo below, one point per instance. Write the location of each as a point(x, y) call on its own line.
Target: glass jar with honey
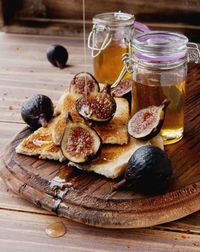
point(159, 72)
point(109, 39)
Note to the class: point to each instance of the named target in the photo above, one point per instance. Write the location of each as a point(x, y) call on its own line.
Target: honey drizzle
point(84, 45)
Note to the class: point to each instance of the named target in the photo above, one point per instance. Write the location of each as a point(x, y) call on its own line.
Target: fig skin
point(149, 171)
point(57, 55)
point(80, 143)
point(147, 122)
point(84, 83)
point(37, 111)
point(97, 108)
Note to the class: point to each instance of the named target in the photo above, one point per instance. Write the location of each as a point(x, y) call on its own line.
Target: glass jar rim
point(114, 19)
point(160, 46)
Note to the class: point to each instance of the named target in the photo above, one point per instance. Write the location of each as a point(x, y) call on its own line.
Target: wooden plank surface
point(22, 226)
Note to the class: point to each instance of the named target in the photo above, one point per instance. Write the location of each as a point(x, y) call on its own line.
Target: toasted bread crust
point(40, 143)
point(113, 159)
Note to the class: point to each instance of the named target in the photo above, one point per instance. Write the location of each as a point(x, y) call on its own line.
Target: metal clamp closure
point(193, 54)
point(91, 39)
point(128, 61)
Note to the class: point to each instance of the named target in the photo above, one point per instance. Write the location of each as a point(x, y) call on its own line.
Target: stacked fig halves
point(80, 142)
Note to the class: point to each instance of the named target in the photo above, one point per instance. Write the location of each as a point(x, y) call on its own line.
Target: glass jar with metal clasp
point(109, 40)
point(159, 70)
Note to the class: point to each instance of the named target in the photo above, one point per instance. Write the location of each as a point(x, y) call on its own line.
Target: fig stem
point(68, 116)
point(119, 184)
point(42, 120)
point(106, 89)
point(58, 64)
point(165, 103)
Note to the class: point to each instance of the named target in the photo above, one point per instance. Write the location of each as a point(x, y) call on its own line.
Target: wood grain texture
point(27, 233)
point(65, 17)
point(33, 73)
point(160, 10)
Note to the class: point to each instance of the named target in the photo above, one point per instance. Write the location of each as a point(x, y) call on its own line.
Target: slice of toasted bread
point(113, 159)
point(40, 143)
point(66, 103)
point(111, 162)
point(113, 132)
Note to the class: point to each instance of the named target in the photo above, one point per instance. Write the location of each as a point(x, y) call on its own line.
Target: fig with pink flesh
point(80, 143)
point(123, 89)
point(84, 83)
point(97, 107)
point(147, 122)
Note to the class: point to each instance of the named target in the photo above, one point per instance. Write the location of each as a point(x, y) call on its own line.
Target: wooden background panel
point(63, 17)
point(185, 11)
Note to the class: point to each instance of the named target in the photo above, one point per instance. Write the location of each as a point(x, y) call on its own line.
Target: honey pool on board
point(147, 91)
point(56, 229)
point(108, 64)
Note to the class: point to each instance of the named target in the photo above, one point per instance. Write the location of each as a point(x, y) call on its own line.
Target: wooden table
point(24, 70)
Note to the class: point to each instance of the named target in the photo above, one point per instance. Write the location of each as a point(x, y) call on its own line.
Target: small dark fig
point(97, 107)
point(84, 83)
point(37, 111)
point(57, 56)
point(149, 171)
point(147, 122)
point(80, 143)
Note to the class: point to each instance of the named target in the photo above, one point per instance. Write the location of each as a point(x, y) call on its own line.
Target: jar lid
point(160, 46)
point(114, 19)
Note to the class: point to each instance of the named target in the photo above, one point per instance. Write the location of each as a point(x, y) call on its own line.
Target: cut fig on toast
point(123, 89)
point(80, 143)
point(84, 83)
point(147, 122)
point(97, 107)
point(113, 159)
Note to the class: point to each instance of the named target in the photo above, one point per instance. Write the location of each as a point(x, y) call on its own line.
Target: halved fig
point(84, 83)
point(147, 122)
point(80, 143)
point(97, 107)
point(123, 88)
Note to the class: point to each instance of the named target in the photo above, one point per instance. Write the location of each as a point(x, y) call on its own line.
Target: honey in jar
point(109, 39)
point(147, 90)
point(108, 64)
point(159, 72)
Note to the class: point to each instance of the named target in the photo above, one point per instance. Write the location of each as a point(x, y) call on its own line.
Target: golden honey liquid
point(108, 64)
point(144, 95)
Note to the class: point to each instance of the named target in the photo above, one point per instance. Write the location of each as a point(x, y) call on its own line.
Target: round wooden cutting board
point(87, 197)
